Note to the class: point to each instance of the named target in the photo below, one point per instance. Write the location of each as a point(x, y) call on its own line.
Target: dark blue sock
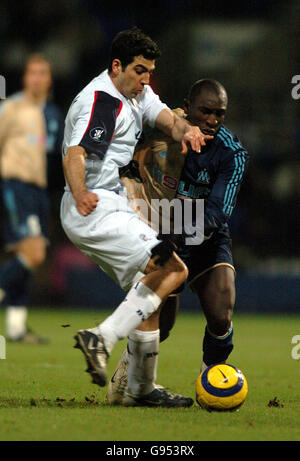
point(14, 279)
point(216, 349)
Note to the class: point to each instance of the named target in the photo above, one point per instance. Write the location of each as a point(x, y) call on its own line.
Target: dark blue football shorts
point(25, 211)
point(211, 253)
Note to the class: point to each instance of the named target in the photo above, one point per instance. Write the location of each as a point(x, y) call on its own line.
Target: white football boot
point(118, 382)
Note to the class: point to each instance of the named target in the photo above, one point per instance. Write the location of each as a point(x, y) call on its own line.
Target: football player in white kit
point(101, 130)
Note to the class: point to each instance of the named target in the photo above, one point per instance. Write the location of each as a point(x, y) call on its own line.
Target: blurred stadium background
point(253, 49)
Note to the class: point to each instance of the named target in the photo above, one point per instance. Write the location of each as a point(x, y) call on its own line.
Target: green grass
point(45, 395)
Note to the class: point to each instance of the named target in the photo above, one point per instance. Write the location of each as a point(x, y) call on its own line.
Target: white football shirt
point(108, 125)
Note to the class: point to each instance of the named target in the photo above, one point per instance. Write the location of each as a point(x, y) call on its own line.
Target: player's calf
point(216, 291)
point(118, 382)
point(167, 316)
point(97, 343)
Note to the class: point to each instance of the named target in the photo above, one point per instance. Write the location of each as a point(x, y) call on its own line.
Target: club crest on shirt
point(144, 237)
point(203, 176)
point(97, 134)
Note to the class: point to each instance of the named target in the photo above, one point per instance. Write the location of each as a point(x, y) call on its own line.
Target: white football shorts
point(112, 236)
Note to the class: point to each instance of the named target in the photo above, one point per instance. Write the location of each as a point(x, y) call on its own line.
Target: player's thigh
point(212, 273)
point(122, 247)
point(219, 280)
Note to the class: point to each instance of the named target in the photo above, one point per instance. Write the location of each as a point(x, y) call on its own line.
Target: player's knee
point(177, 266)
point(219, 322)
point(224, 322)
point(34, 252)
point(183, 273)
point(38, 258)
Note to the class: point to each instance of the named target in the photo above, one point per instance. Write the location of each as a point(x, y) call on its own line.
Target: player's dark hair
point(130, 43)
point(205, 84)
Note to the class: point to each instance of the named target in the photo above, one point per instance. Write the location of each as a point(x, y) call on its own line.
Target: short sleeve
point(95, 122)
point(152, 106)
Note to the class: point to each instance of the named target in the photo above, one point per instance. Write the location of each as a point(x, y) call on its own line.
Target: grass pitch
point(45, 394)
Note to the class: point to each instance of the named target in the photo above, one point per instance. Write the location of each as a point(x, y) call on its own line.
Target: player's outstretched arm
point(180, 130)
point(74, 169)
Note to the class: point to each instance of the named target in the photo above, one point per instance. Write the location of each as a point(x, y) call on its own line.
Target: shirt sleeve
point(222, 198)
point(152, 106)
point(95, 122)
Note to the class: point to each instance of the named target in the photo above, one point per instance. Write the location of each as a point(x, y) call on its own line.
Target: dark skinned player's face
point(207, 111)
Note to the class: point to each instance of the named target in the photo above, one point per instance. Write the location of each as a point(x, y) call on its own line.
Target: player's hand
point(195, 138)
point(86, 203)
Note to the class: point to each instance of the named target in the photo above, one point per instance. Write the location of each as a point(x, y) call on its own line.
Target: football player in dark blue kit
point(215, 176)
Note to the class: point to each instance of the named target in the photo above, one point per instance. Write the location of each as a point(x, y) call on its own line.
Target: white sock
point(143, 347)
point(138, 305)
point(15, 320)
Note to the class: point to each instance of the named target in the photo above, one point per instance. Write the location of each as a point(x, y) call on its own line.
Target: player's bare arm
point(180, 130)
point(74, 169)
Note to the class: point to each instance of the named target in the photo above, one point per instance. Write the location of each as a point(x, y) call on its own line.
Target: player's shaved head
point(208, 85)
point(131, 43)
point(206, 105)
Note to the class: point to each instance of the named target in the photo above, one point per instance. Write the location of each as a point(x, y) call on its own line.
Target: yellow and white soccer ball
point(221, 387)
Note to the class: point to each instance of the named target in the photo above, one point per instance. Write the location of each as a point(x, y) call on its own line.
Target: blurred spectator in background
point(30, 128)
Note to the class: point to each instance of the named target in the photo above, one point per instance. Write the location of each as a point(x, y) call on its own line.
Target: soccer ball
point(221, 387)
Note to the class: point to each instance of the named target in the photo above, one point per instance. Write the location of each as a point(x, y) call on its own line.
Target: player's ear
point(116, 67)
